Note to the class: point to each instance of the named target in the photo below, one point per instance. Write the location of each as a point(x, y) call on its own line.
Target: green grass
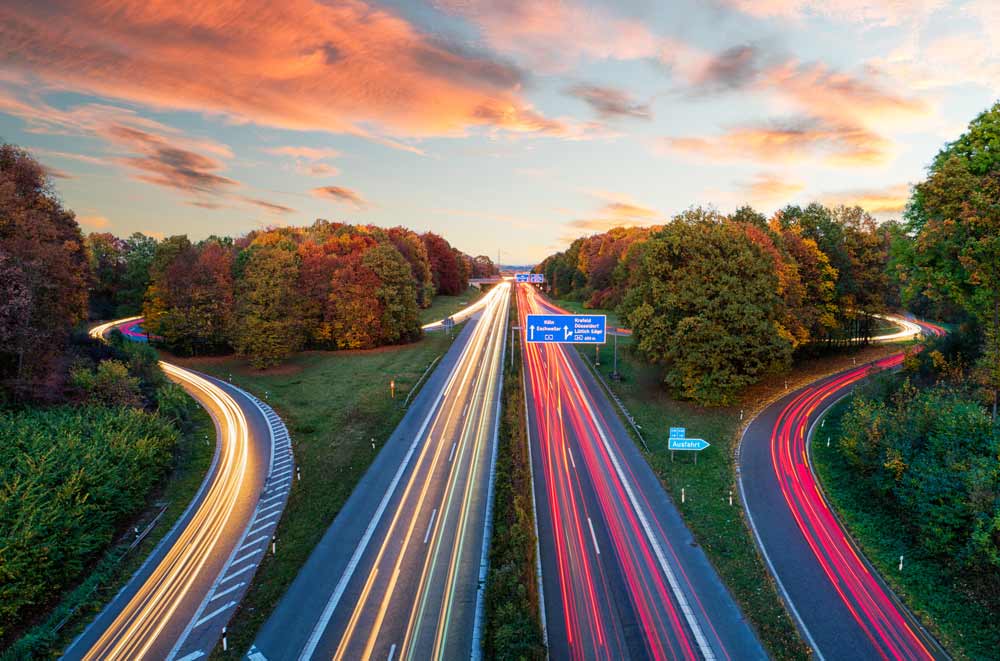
point(113, 570)
point(443, 306)
point(968, 627)
point(333, 403)
point(718, 527)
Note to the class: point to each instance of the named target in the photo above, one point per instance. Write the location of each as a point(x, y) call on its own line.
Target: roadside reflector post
point(274, 546)
point(682, 495)
point(741, 415)
point(730, 497)
point(597, 355)
point(373, 444)
point(225, 643)
point(786, 384)
point(298, 473)
point(900, 563)
point(827, 441)
point(392, 388)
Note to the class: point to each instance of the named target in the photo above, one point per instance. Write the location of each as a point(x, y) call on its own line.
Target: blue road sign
point(678, 432)
point(521, 277)
point(682, 443)
point(566, 328)
point(536, 278)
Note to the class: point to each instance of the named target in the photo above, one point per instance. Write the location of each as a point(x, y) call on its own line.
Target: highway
point(840, 603)
point(621, 574)
point(398, 574)
point(177, 603)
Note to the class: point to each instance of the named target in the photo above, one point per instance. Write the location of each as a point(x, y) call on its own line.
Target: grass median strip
point(513, 627)
point(335, 404)
point(445, 306)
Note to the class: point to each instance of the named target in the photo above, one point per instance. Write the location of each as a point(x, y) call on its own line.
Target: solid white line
point(225, 592)
point(430, 526)
point(352, 565)
point(452, 453)
point(703, 645)
point(593, 536)
point(392, 652)
point(217, 611)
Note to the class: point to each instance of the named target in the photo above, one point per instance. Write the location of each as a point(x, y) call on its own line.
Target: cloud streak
point(341, 195)
point(609, 102)
point(297, 64)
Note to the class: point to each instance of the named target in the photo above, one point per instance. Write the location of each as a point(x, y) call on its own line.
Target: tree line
point(720, 300)
point(276, 291)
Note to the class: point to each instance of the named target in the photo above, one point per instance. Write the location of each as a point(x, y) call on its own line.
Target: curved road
point(842, 606)
point(176, 604)
point(621, 574)
point(400, 572)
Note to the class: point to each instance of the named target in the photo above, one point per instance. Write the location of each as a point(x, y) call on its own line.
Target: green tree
point(705, 304)
point(400, 318)
point(268, 324)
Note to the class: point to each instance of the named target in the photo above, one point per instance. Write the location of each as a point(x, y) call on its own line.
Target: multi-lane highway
point(841, 604)
point(177, 603)
point(621, 574)
point(399, 573)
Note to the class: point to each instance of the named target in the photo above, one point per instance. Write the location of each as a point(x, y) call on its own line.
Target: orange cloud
point(882, 201)
point(94, 222)
point(342, 66)
point(269, 206)
point(793, 141)
point(767, 188)
point(308, 153)
point(340, 194)
point(553, 34)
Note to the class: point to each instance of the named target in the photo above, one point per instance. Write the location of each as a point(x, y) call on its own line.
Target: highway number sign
point(530, 278)
point(566, 328)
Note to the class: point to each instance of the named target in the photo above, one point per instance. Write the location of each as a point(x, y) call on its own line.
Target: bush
point(109, 384)
point(69, 479)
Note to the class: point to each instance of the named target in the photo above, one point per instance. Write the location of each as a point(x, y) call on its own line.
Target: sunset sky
point(517, 124)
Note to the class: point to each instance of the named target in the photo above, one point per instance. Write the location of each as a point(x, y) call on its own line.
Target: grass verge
point(966, 624)
point(334, 404)
point(443, 306)
point(719, 527)
point(513, 628)
point(114, 569)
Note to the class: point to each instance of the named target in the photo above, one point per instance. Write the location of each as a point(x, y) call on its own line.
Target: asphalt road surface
point(398, 573)
point(621, 575)
point(841, 604)
point(166, 611)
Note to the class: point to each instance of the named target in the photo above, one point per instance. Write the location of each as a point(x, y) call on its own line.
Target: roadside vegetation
point(513, 628)
point(335, 404)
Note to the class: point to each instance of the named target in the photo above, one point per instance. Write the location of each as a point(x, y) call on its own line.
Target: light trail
point(171, 585)
point(883, 622)
point(419, 568)
point(637, 591)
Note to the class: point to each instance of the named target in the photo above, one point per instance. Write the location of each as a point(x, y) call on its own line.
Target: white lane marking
point(265, 518)
point(392, 652)
point(269, 507)
point(430, 526)
point(232, 589)
point(266, 525)
point(570, 450)
point(352, 565)
point(197, 654)
point(272, 497)
point(217, 611)
point(452, 453)
point(235, 574)
point(675, 586)
point(255, 540)
point(245, 557)
point(593, 536)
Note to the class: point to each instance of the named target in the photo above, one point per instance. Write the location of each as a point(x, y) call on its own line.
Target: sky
point(510, 127)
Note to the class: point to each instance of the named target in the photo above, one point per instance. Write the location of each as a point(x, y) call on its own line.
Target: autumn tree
point(448, 270)
point(412, 248)
point(705, 305)
point(190, 299)
point(43, 274)
point(268, 319)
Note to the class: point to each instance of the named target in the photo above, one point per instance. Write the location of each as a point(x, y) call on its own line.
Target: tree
point(705, 304)
point(268, 319)
point(446, 267)
point(412, 248)
point(106, 256)
point(400, 320)
point(190, 298)
point(138, 257)
point(44, 293)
